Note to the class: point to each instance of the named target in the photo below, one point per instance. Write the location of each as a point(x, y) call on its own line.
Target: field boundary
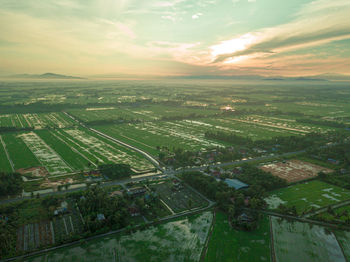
point(7, 154)
point(272, 243)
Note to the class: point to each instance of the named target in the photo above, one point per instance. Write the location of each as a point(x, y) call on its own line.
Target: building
point(101, 217)
point(62, 209)
point(235, 183)
point(136, 191)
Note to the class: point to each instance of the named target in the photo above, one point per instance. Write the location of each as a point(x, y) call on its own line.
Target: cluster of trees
point(8, 230)
point(281, 144)
point(255, 176)
point(115, 171)
point(119, 120)
point(96, 201)
point(10, 183)
point(228, 199)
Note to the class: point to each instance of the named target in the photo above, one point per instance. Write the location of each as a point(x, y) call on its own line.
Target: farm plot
point(287, 124)
point(67, 226)
point(294, 170)
point(313, 194)
point(35, 235)
point(187, 134)
point(18, 151)
point(303, 242)
point(229, 244)
point(36, 121)
point(99, 150)
point(144, 113)
point(176, 241)
point(149, 136)
point(341, 214)
point(178, 199)
point(45, 154)
point(69, 154)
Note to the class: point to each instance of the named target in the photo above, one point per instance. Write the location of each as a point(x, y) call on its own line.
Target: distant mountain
point(250, 77)
point(46, 76)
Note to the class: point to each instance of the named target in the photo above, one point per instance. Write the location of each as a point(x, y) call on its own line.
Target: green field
point(228, 244)
point(341, 214)
point(144, 113)
point(306, 195)
point(19, 153)
point(188, 134)
point(69, 154)
point(295, 241)
point(179, 240)
point(36, 121)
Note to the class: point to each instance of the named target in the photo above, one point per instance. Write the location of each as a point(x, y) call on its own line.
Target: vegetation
point(115, 171)
point(10, 184)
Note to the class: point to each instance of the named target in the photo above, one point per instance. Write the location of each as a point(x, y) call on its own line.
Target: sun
point(233, 45)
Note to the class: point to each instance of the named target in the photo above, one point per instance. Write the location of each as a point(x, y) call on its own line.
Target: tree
point(10, 183)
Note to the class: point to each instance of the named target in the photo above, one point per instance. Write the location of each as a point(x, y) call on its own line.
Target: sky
point(175, 37)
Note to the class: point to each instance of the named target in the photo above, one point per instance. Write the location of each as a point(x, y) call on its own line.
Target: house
point(62, 209)
point(100, 217)
point(136, 191)
point(134, 211)
point(235, 183)
point(245, 218)
point(333, 161)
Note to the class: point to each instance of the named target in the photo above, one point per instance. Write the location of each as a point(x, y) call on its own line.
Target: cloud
point(317, 23)
point(196, 16)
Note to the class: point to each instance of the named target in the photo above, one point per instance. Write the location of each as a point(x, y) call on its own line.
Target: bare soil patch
point(295, 170)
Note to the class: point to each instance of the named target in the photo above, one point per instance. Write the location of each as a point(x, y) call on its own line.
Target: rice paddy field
point(306, 195)
point(62, 151)
point(36, 121)
point(144, 113)
point(189, 134)
point(341, 214)
point(295, 241)
point(231, 245)
point(179, 240)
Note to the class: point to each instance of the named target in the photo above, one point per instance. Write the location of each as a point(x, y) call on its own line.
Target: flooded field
point(176, 241)
point(297, 241)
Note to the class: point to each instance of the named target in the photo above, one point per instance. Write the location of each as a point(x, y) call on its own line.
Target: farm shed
point(235, 183)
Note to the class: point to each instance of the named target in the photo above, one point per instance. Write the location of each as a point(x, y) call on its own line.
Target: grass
point(228, 244)
point(303, 196)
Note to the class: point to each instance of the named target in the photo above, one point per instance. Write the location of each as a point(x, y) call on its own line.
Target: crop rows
point(36, 121)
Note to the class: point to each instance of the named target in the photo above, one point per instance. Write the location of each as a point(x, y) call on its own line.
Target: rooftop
point(237, 184)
